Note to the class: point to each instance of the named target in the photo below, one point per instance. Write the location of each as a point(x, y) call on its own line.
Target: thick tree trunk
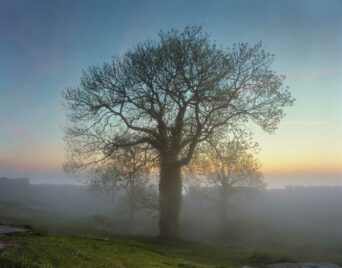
point(170, 199)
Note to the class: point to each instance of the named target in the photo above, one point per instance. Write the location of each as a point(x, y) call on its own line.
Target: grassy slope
point(66, 251)
point(29, 250)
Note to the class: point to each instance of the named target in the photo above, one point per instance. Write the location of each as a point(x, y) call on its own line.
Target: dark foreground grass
point(38, 249)
point(29, 250)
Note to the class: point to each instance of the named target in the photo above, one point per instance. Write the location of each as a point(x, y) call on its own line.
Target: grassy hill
point(28, 250)
point(39, 249)
point(64, 251)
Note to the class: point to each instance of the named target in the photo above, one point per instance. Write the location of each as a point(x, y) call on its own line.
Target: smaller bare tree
point(228, 166)
point(129, 171)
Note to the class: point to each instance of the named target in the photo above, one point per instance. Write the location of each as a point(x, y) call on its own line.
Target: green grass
point(66, 251)
point(38, 249)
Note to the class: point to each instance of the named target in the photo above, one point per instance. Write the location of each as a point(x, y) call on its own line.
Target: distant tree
point(127, 172)
point(170, 94)
point(228, 166)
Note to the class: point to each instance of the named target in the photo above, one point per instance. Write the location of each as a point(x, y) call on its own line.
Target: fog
point(282, 181)
point(297, 216)
point(273, 181)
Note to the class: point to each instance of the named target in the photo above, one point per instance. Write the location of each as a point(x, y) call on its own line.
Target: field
point(40, 249)
point(29, 250)
point(70, 230)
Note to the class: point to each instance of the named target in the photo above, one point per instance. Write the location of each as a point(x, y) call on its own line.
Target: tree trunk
point(222, 210)
point(170, 198)
point(131, 212)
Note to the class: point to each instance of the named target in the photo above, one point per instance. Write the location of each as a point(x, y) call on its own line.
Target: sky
point(44, 45)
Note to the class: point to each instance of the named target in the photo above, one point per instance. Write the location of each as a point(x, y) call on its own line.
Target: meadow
point(75, 228)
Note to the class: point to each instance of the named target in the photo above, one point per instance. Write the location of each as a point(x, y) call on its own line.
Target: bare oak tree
point(172, 94)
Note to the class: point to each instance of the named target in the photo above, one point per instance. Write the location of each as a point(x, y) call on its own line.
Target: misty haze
point(170, 134)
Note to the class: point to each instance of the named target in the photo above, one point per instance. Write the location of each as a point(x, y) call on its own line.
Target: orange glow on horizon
point(32, 162)
point(274, 166)
point(309, 165)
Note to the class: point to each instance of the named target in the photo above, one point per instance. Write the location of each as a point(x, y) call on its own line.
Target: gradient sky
point(44, 45)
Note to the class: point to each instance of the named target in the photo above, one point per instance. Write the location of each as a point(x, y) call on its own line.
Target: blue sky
point(44, 45)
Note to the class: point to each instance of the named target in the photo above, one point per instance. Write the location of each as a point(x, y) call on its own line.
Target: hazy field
point(294, 224)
